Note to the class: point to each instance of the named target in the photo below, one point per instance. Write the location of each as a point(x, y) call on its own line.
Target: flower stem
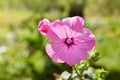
point(80, 76)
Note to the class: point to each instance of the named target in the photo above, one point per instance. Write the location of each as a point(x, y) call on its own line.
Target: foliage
point(24, 57)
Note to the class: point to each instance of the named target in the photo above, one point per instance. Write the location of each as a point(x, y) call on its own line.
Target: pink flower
point(69, 41)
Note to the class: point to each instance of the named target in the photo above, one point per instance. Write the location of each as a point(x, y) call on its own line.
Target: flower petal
point(58, 29)
point(52, 54)
point(75, 23)
point(44, 26)
point(86, 40)
point(62, 30)
point(60, 50)
point(86, 35)
point(88, 45)
point(53, 37)
point(75, 55)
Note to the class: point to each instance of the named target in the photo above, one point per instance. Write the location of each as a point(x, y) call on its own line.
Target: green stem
point(80, 76)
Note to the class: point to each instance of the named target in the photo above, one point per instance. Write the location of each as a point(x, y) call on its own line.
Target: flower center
point(69, 41)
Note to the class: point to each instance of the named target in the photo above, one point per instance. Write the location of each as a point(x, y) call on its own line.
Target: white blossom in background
point(3, 49)
point(9, 35)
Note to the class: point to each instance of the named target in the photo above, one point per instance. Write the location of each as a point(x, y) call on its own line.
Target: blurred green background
point(22, 47)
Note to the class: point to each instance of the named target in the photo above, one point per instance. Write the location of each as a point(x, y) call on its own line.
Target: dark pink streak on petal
point(60, 50)
point(52, 54)
point(88, 45)
point(86, 35)
point(59, 29)
point(75, 55)
point(53, 36)
point(85, 40)
point(75, 23)
point(80, 52)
